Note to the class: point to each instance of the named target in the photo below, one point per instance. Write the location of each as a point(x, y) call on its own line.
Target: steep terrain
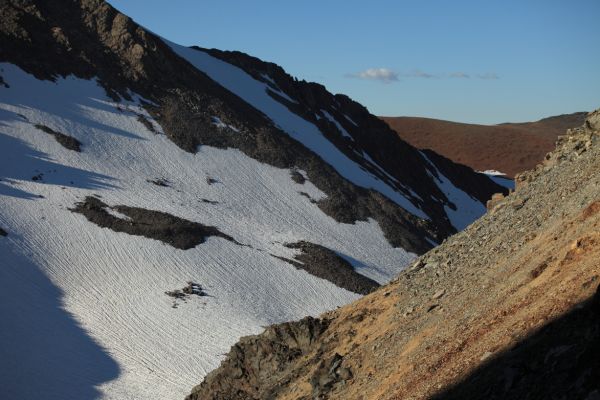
point(506, 309)
point(157, 202)
point(509, 148)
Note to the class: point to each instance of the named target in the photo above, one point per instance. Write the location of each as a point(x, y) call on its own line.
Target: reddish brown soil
point(509, 148)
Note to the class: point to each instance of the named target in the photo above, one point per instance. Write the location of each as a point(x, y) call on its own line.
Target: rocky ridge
point(89, 38)
point(506, 309)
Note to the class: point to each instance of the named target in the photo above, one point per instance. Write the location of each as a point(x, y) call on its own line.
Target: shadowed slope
point(44, 352)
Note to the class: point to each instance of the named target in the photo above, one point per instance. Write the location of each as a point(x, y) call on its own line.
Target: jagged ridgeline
point(132, 166)
point(90, 39)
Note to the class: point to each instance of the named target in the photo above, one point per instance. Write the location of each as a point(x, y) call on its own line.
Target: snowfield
point(467, 209)
point(255, 92)
point(85, 307)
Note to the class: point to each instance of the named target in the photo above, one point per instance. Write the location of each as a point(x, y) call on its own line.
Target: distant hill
point(509, 147)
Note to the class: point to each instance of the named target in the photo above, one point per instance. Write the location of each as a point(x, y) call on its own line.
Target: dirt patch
point(174, 231)
point(537, 271)
point(581, 247)
point(68, 142)
point(591, 210)
point(326, 264)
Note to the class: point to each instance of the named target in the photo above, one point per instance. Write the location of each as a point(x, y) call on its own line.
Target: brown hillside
point(509, 148)
point(509, 308)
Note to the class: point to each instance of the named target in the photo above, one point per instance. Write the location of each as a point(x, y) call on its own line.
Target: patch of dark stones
point(146, 122)
point(209, 201)
point(304, 194)
point(190, 289)
point(37, 177)
point(159, 182)
point(174, 231)
point(297, 177)
point(68, 142)
point(329, 373)
point(326, 264)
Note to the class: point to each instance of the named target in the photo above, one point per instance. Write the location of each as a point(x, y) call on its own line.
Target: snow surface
point(468, 208)
point(254, 92)
point(277, 90)
point(222, 125)
point(492, 172)
point(500, 178)
point(350, 119)
point(337, 124)
point(83, 308)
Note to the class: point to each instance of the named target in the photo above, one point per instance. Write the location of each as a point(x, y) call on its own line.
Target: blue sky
point(470, 61)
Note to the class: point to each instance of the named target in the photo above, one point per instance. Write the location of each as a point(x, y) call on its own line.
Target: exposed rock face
point(506, 309)
point(172, 230)
point(326, 264)
point(66, 141)
point(494, 201)
point(275, 349)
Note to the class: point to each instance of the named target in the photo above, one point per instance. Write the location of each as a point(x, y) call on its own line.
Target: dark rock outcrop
point(68, 142)
point(326, 264)
point(276, 348)
point(174, 231)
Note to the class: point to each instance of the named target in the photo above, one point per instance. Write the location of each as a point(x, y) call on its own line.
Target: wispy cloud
point(384, 75)
point(417, 73)
point(462, 75)
point(387, 75)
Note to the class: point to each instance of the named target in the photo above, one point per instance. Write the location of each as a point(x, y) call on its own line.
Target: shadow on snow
point(20, 161)
point(44, 352)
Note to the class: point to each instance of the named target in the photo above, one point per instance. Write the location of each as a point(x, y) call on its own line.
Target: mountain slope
point(506, 309)
point(509, 148)
point(158, 202)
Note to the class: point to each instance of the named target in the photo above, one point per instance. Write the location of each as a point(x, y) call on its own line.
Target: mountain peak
point(133, 167)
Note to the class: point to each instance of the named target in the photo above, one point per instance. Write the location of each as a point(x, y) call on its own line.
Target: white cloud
point(384, 75)
point(387, 75)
